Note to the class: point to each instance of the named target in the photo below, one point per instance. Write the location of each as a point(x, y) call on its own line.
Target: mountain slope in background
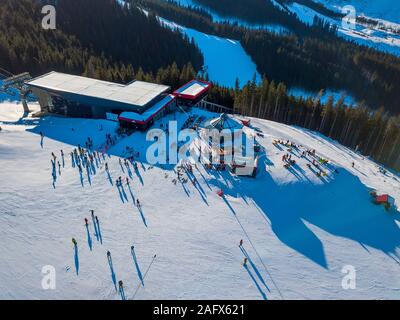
point(381, 9)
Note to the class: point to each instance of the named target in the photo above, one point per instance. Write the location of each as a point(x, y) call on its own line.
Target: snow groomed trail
point(299, 230)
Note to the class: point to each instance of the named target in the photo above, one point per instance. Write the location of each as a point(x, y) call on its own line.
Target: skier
point(138, 204)
point(127, 181)
point(106, 165)
point(245, 262)
point(74, 242)
point(241, 243)
point(121, 289)
point(86, 222)
point(352, 164)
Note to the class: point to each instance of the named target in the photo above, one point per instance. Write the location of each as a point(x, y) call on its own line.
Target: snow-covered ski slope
point(386, 11)
point(335, 94)
point(299, 230)
point(361, 34)
point(382, 9)
point(225, 60)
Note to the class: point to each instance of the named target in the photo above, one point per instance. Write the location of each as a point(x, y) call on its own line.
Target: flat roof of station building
point(142, 118)
point(193, 89)
point(137, 93)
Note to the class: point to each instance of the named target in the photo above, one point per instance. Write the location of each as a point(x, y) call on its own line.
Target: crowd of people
point(315, 161)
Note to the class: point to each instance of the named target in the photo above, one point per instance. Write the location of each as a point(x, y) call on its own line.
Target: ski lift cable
point(144, 277)
point(5, 73)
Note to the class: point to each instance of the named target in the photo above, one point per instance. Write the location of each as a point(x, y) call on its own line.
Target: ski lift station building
point(136, 104)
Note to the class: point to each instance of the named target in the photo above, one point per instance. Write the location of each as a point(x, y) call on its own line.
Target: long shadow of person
point(132, 196)
point(121, 290)
point(96, 232)
point(137, 265)
point(255, 282)
point(129, 171)
point(120, 194)
point(109, 177)
point(142, 216)
point(76, 258)
point(93, 168)
point(122, 168)
point(88, 175)
point(90, 243)
point(72, 161)
point(81, 177)
point(124, 193)
point(137, 172)
point(110, 263)
point(99, 230)
point(254, 268)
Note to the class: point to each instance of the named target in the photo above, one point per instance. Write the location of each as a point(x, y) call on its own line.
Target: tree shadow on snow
point(341, 207)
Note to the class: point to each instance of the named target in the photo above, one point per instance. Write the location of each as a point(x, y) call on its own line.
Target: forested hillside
point(97, 38)
point(254, 11)
point(312, 58)
point(374, 134)
point(314, 63)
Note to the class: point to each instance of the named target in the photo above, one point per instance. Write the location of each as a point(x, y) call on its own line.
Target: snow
point(225, 60)
point(234, 20)
point(336, 94)
point(193, 88)
point(372, 37)
point(298, 230)
point(384, 9)
point(7, 97)
point(387, 13)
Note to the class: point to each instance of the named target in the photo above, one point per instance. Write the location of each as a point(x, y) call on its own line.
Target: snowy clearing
point(385, 9)
point(234, 20)
point(225, 60)
point(372, 37)
point(299, 230)
point(299, 92)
